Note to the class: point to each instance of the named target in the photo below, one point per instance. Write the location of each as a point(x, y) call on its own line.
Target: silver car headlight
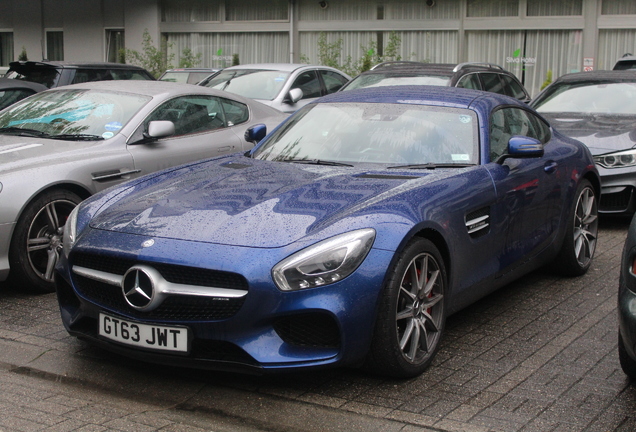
point(70, 231)
point(621, 159)
point(325, 262)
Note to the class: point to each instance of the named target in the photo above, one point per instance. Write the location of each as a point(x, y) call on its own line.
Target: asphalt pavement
point(537, 355)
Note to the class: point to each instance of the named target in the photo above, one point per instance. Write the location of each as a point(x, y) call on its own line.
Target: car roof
point(150, 88)
point(442, 69)
point(193, 70)
point(73, 65)
point(628, 75)
point(284, 67)
point(10, 83)
point(420, 95)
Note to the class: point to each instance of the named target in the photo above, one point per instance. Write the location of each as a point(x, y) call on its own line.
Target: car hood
point(246, 202)
point(18, 152)
point(599, 132)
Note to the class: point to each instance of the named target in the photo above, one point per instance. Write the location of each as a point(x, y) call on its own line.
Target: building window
point(6, 48)
point(492, 8)
point(618, 7)
point(553, 8)
point(114, 44)
point(190, 11)
point(257, 10)
point(55, 45)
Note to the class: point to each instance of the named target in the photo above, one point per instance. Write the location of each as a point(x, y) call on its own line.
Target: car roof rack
point(396, 63)
point(488, 65)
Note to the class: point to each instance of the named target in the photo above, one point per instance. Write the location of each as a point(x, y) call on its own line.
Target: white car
point(286, 87)
point(62, 145)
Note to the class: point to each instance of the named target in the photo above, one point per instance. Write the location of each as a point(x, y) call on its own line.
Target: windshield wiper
point(430, 165)
point(317, 162)
point(77, 137)
point(23, 132)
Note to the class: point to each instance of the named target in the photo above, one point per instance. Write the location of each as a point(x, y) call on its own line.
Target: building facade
point(531, 38)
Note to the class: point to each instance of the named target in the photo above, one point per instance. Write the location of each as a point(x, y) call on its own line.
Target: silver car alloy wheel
point(44, 237)
point(585, 226)
point(420, 308)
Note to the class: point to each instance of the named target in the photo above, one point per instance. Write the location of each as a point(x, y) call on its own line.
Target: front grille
point(616, 202)
point(170, 272)
point(177, 308)
point(309, 330)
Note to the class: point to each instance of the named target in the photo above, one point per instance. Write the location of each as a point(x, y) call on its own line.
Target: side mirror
point(159, 129)
point(293, 96)
point(256, 133)
point(522, 147)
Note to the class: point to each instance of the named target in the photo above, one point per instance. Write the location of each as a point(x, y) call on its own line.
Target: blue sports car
point(346, 237)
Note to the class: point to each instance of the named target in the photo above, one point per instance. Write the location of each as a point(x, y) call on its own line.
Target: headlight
point(325, 262)
point(70, 231)
point(617, 160)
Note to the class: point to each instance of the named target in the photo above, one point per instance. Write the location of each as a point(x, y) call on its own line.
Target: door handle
point(550, 167)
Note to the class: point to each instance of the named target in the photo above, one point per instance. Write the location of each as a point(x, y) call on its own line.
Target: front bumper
point(267, 330)
point(618, 192)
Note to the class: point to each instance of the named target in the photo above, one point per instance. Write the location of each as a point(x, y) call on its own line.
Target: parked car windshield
point(83, 114)
point(381, 80)
point(589, 97)
point(375, 133)
point(250, 83)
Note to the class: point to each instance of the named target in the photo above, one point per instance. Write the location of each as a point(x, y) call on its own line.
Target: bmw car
point(347, 236)
point(62, 145)
point(599, 109)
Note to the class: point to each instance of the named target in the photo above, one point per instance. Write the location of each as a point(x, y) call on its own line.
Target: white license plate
point(158, 337)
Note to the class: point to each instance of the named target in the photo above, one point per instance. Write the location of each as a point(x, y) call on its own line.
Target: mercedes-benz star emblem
point(138, 287)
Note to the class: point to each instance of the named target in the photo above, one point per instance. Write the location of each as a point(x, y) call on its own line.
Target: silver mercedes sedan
point(60, 146)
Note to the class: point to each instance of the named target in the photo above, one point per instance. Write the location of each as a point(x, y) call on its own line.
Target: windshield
point(589, 97)
point(69, 113)
point(375, 133)
point(250, 83)
point(381, 80)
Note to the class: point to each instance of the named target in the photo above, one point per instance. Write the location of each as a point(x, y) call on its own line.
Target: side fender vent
point(478, 222)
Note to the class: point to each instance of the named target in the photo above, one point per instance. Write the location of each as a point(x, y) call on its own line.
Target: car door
point(201, 131)
point(529, 196)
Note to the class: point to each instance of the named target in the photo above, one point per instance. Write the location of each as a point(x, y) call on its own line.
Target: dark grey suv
point(55, 74)
point(477, 76)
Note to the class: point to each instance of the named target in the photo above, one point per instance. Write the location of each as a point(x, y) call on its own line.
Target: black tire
point(411, 318)
point(37, 240)
point(628, 364)
point(579, 243)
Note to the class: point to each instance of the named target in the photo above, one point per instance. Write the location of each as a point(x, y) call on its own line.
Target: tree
point(548, 79)
point(23, 55)
point(188, 59)
point(154, 60)
point(329, 54)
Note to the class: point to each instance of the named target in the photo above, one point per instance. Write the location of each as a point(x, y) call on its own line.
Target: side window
point(89, 75)
point(11, 96)
point(508, 122)
point(513, 88)
point(309, 84)
point(333, 81)
point(492, 83)
point(190, 114)
point(499, 135)
point(235, 112)
point(126, 74)
point(470, 81)
point(541, 128)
